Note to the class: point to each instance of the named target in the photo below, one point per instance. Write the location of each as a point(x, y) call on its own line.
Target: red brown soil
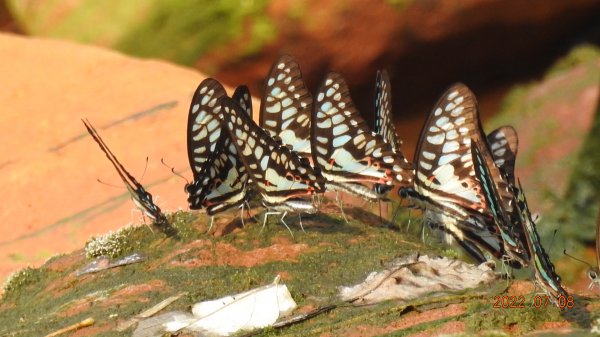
point(204, 253)
point(412, 319)
point(133, 292)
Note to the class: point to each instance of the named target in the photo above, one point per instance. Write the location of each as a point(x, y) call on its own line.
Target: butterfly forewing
point(204, 126)
point(384, 124)
point(504, 143)
point(345, 148)
point(278, 172)
point(286, 105)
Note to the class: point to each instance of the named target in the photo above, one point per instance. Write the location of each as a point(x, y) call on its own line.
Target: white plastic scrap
point(416, 276)
point(253, 309)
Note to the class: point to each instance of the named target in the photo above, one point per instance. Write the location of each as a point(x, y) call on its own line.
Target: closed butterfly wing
point(544, 272)
point(204, 126)
point(445, 180)
point(511, 238)
point(220, 178)
point(279, 173)
point(344, 147)
point(504, 144)
point(141, 198)
point(384, 124)
point(286, 106)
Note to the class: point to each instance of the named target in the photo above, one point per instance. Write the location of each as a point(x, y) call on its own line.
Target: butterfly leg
point(266, 217)
point(283, 222)
point(212, 219)
point(340, 205)
point(242, 215)
point(300, 217)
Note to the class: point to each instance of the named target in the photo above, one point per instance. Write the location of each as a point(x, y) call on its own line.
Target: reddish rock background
point(49, 166)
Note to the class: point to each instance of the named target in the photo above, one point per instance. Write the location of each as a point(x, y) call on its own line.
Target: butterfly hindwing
point(286, 105)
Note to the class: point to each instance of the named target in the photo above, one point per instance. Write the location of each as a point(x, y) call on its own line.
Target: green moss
point(20, 279)
point(484, 317)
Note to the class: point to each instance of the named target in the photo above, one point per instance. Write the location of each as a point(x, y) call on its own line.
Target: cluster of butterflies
point(304, 146)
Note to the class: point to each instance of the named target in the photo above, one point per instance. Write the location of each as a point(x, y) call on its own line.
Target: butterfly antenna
point(577, 259)
point(172, 168)
point(145, 167)
point(107, 184)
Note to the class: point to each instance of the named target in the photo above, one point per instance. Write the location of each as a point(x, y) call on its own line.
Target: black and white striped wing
point(286, 105)
point(278, 172)
point(220, 178)
point(444, 164)
point(204, 126)
point(384, 124)
point(344, 147)
point(242, 97)
point(504, 144)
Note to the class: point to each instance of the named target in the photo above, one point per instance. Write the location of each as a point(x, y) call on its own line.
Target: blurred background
point(534, 64)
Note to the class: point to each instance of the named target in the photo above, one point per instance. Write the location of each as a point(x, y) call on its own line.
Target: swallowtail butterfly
point(348, 153)
point(281, 176)
point(220, 178)
point(445, 181)
point(510, 227)
point(545, 275)
point(286, 106)
point(142, 199)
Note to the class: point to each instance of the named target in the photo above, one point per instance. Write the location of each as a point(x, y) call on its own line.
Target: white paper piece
point(417, 276)
point(254, 309)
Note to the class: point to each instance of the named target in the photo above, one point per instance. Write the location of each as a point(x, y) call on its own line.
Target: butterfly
point(512, 239)
point(348, 153)
point(281, 176)
point(544, 272)
point(220, 178)
point(286, 106)
point(445, 181)
point(142, 199)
